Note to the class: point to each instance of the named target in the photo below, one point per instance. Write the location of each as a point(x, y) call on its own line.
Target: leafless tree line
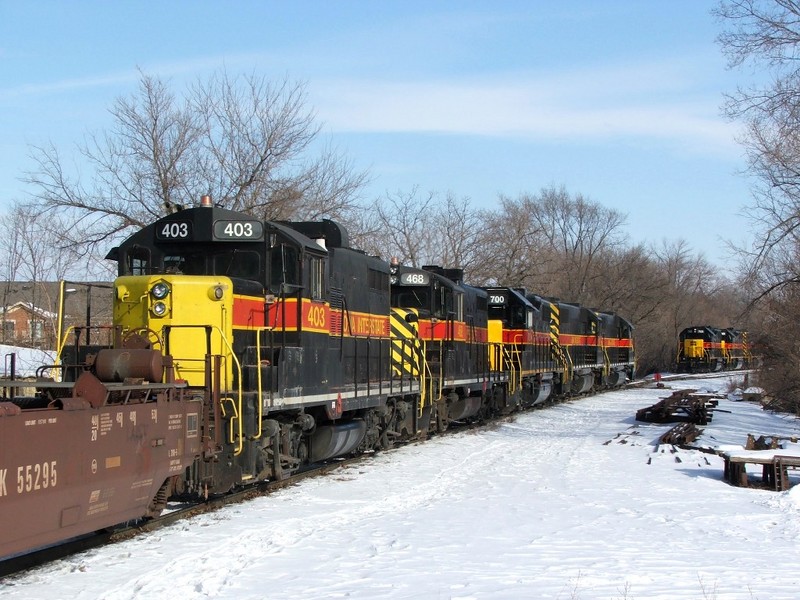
point(244, 140)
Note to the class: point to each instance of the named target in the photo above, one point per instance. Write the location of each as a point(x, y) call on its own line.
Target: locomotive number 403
point(238, 230)
point(175, 230)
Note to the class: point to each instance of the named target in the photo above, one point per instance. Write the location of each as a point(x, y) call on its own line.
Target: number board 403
point(238, 230)
point(174, 230)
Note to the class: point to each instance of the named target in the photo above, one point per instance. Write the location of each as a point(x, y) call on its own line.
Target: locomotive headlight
point(217, 292)
point(160, 291)
point(159, 309)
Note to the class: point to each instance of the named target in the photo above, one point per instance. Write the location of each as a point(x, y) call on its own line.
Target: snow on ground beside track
point(572, 502)
point(27, 360)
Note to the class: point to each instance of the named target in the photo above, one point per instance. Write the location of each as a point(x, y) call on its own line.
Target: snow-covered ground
point(571, 502)
point(27, 361)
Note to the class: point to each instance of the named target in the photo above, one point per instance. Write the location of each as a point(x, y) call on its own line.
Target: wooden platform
point(775, 466)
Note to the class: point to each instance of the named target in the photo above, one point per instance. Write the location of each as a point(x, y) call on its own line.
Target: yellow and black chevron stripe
point(555, 330)
point(406, 345)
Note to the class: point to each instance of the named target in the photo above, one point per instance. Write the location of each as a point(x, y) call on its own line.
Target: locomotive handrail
point(424, 371)
point(237, 404)
point(62, 343)
point(224, 338)
point(565, 359)
point(512, 388)
point(606, 361)
point(258, 379)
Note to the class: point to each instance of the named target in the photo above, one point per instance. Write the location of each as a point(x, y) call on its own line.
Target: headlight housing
point(159, 309)
point(160, 290)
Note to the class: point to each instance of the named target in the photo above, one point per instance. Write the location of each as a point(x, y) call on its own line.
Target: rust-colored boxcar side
point(75, 469)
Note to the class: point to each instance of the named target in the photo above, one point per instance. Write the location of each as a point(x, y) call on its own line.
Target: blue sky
point(617, 100)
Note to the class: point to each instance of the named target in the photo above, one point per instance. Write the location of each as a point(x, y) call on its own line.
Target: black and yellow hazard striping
point(555, 326)
point(406, 345)
point(557, 351)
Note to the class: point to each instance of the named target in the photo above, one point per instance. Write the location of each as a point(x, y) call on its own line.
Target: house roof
point(30, 308)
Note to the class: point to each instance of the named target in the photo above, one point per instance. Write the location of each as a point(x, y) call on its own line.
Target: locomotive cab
point(450, 322)
point(286, 347)
point(518, 343)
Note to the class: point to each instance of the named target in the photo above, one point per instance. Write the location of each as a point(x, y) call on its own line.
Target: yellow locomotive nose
point(693, 348)
point(189, 315)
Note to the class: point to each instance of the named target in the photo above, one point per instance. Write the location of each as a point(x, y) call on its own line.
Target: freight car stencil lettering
point(36, 477)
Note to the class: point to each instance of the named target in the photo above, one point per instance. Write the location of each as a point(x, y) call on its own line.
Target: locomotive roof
point(202, 227)
point(450, 278)
point(513, 292)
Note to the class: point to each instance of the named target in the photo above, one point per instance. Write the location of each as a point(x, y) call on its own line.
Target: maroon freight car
point(83, 456)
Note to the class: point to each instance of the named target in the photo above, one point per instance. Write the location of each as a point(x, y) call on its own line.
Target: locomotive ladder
point(425, 376)
point(606, 360)
point(515, 370)
point(564, 358)
point(230, 402)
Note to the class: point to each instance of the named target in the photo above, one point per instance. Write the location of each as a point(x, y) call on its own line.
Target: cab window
point(237, 263)
point(316, 276)
point(284, 268)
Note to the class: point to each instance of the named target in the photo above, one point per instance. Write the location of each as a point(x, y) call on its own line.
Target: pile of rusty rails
point(688, 407)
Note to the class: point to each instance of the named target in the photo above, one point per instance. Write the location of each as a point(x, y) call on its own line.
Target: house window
point(37, 329)
point(8, 330)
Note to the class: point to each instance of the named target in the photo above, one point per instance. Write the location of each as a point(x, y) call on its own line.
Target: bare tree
point(458, 231)
point(403, 223)
point(244, 140)
point(580, 231)
point(512, 249)
point(766, 35)
point(30, 261)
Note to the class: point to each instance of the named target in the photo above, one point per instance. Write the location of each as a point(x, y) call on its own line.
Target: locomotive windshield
point(435, 300)
point(231, 263)
point(411, 298)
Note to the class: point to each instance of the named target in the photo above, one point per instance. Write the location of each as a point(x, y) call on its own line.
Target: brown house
point(27, 325)
point(29, 313)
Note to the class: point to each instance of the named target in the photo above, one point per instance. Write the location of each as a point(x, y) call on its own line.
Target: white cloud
point(647, 101)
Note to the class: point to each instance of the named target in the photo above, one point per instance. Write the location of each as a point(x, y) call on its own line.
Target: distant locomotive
point(704, 348)
point(244, 350)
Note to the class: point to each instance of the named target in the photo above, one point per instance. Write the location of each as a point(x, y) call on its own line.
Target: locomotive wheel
point(442, 419)
point(386, 439)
